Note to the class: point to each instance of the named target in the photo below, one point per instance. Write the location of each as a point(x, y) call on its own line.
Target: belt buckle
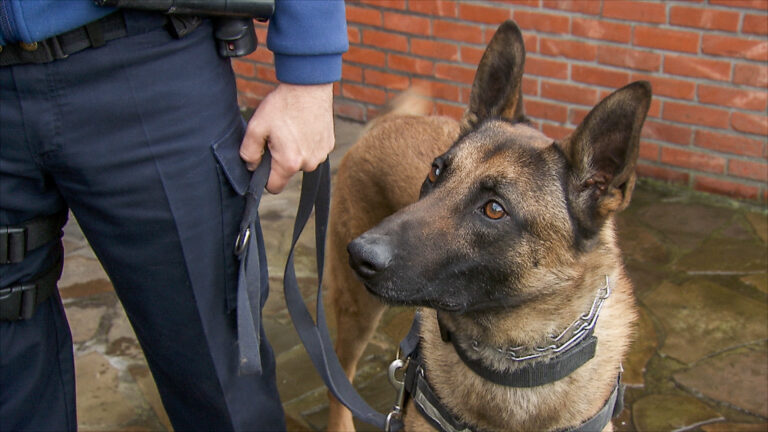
point(13, 244)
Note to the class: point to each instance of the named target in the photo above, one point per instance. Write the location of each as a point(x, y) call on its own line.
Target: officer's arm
point(295, 120)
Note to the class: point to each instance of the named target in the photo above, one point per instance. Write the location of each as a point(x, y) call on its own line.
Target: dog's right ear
point(497, 89)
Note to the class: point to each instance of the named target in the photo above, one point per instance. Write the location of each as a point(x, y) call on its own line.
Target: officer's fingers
point(253, 145)
point(284, 165)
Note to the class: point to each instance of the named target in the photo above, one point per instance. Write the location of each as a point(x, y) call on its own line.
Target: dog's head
point(505, 209)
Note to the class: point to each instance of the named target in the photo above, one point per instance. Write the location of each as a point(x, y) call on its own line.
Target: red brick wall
point(706, 59)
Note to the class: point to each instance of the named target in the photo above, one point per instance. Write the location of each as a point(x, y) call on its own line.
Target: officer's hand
point(296, 123)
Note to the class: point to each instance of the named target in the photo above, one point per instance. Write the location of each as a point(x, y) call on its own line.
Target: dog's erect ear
point(602, 153)
point(497, 89)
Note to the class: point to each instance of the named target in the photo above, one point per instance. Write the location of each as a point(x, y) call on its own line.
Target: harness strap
point(429, 406)
point(17, 240)
point(315, 194)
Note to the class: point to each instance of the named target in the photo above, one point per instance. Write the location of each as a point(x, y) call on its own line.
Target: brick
point(530, 86)
point(531, 42)
point(266, 74)
point(368, 56)
point(696, 67)
point(351, 73)
point(569, 93)
point(385, 4)
point(599, 76)
point(262, 56)
point(546, 110)
point(735, 98)
point(244, 69)
point(353, 34)
point(363, 15)
point(434, 49)
point(748, 169)
point(410, 64)
point(548, 68)
point(729, 143)
point(568, 48)
point(629, 58)
point(747, 4)
point(440, 8)
point(670, 87)
point(483, 14)
point(439, 90)
point(556, 132)
point(465, 94)
point(710, 19)
point(652, 12)
point(471, 55)
point(755, 24)
point(576, 6)
point(467, 33)
point(667, 132)
point(662, 173)
point(664, 39)
point(725, 187)
point(750, 123)
point(577, 115)
point(385, 40)
point(542, 22)
point(450, 110)
point(695, 114)
point(693, 160)
point(364, 94)
point(648, 151)
point(253, 90)
point(406, 23)
point(456, 73)
point(751, 75)
point(602, 30)
point(734, 47)
point(387, 80)
point(349, 110)
point(655, 108)
point(521, 3)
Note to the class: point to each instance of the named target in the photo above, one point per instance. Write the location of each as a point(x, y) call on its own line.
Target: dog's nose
point(369, 255)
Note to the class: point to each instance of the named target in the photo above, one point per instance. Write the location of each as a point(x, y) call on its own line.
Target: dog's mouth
point(393, 298)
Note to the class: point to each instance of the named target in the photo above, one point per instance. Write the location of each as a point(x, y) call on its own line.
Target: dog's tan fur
point(382, 174)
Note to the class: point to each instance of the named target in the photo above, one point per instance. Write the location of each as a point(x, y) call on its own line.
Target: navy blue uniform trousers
point(140, 139)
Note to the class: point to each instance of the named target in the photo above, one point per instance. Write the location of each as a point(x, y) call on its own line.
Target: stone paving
point(700, 360)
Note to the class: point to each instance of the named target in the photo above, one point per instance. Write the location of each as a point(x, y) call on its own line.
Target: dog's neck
point(473, 350)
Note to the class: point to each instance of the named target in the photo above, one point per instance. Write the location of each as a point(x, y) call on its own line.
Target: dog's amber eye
point(434, 173)
point(493, 210)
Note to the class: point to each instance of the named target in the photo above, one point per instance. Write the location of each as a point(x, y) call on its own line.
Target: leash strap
point(315, 195)
point(253, 274)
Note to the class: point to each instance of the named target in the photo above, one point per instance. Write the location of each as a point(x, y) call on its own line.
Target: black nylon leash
point(315, 195)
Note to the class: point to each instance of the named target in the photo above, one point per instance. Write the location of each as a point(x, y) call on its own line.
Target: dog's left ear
point(497, 88)
point(602, 153)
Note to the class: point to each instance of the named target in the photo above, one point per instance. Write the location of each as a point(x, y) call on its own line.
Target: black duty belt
point(94, 34)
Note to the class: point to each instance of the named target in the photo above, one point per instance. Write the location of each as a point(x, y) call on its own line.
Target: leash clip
point(397, 409)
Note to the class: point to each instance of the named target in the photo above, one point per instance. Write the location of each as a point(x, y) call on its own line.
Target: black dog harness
point(573, 352)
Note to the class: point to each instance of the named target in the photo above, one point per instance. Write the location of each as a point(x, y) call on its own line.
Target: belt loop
point(13, 244)
point(56, 50)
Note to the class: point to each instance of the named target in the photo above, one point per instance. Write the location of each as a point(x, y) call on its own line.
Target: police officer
point(137, 131)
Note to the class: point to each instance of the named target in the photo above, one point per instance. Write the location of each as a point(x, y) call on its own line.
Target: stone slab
point(661, 413)
point(738, 379)
point(702, 318)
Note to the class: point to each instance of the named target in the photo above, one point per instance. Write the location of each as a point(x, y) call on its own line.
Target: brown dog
point(510, 249)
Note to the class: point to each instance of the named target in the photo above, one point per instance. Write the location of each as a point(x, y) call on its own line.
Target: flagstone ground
point(699, 361)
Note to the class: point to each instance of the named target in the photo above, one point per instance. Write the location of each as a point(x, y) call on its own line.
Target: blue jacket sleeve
point(308, 38)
